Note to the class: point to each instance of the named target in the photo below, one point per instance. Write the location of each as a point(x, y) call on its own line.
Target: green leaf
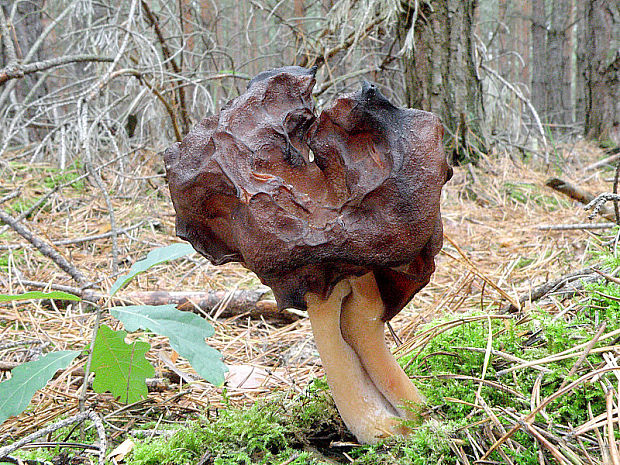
point(186, 331)
point(57, 295)
point(154, 257)
point(119, 367)
point(28, 378)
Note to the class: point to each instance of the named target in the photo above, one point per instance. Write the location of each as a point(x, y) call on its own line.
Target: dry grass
point(495, 252)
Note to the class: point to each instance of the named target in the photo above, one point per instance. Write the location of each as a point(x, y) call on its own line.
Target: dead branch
point(10, 196)
point(218, 303)
point(79, 418)
point(570, 227)
point(95, 237)
point(586, 274)
point(104, 191)
point(19, 70)
point(322, 57)
point(170, 62)
point(41, 201)
point(605, 161)
point(33, 49)
point(8, 42)
point(598, 203)
point(160, 97)
point(578, 194)
point(78, 240)
point(523, 99)
point(44, 248)
point(248, 302)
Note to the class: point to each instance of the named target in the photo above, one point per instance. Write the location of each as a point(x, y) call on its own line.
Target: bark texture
point(557, 80)
point(26, 27)
point(551, 61)
point(602, 92)
point(441, 73)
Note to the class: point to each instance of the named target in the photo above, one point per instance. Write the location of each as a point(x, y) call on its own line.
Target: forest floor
point(494, 252)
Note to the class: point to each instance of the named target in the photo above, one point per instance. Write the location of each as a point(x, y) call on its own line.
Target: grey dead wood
point(44, 248)
point(79, 418)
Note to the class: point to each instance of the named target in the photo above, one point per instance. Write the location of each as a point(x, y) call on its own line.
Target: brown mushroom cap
point(245, 189)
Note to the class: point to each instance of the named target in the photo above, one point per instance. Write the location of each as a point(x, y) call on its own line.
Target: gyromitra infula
point(337, 213)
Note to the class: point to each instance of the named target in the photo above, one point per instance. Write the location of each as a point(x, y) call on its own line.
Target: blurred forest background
point(92, 80)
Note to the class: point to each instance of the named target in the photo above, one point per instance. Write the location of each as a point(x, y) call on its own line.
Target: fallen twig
point(476, 271)
point(242, 301)
point(585, 353)
point(604, 161)
point(44, 248)
point(250, 302)
point(10, 196)
point(509, 357)
point(529, 417)
point(95, 237)
point(597, 204)
point(20, 70)
point(578, 194)
point(80, 417)
point(569, 227)
point(552, 286)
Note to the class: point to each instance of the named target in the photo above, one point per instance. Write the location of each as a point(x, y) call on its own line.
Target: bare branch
point(44, 248)
point(522, 98)
point(19, 71)
point(79, 418)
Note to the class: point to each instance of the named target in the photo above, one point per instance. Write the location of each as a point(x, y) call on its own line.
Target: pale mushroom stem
point(363, 329)
point(365, 411)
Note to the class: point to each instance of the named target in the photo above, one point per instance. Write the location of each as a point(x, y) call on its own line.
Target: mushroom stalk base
point(369, 388)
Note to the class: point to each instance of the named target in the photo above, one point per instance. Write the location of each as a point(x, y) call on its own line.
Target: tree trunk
point(441, 73)
point(557, 67)
point(523, 32)
point(539, 56)
point(581, 59)
point(602, 92)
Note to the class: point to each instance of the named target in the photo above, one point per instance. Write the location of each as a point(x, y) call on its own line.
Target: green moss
point(57, 177)
point(241, 436)
point(267, 433)
point(20, 206)
point(523, 262)
point(444, 364)
point(428, 444)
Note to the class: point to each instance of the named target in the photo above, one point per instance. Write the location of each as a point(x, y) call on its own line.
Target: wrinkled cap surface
point(305, 201)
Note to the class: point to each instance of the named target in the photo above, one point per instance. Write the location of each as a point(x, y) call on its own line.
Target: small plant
point(29, 377)
point(119, 367)
point(70, 176)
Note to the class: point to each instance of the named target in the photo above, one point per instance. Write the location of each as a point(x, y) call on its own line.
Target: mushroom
point(337, 213)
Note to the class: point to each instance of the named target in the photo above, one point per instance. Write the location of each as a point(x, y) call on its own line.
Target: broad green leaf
point(186, 331)
point(154, 257)
point(119, 367)
point(57, 295)
point(28, 378)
